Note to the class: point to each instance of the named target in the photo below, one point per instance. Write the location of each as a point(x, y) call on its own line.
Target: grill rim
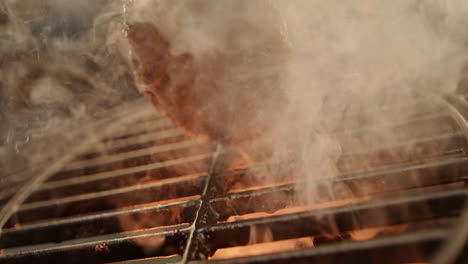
point(104, 126)
point(453, 245)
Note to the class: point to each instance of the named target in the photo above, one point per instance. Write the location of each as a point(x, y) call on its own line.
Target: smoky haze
point(342, 57)
point(357, 56)
point(326, 60)
point(59, 61)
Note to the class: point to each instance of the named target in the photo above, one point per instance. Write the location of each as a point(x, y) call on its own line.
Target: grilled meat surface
point(229, 91)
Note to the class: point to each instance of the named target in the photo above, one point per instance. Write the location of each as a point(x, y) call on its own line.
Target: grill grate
point(143, 192)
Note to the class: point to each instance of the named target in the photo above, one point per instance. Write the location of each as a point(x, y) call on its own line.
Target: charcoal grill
point(124, 185)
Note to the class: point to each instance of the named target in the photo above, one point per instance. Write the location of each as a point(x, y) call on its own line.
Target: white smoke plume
point(343, 57)
point(358, 55)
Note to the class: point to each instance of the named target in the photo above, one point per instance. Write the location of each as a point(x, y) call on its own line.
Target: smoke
point(59, 61)
point(358, 55)
point(329, 59)
point(279, 76)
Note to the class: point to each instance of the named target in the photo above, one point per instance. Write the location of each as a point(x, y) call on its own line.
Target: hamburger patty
point(213, 67)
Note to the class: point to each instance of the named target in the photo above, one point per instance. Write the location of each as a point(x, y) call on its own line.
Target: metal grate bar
point(122, 172)
point(139, 129)
point(421, 127)
point(444, 141)
point(150, 176)
point(115, 145)
point(185, 180)
point(119, 250)
point(99, 239)
point(204, 215)
point(157, 260)
point(270, 200)
point(367, 117)
point(133, 154)
point(102, 205)
point(420, 150)
point(97, 224)
point(153, 195)
point(410, 208)
point(189, 148)
point(453, 169)
point(186, 201)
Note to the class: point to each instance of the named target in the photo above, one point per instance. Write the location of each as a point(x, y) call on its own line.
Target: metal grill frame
point(205, 217)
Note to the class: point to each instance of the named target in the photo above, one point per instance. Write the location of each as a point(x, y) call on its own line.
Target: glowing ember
point(298, 209)
point(370, 233)
point(102, 250)
point(264, 248)
point(156, 259)
point(169, 201)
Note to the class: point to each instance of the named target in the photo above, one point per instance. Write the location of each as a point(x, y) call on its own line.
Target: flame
point(297, 209)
